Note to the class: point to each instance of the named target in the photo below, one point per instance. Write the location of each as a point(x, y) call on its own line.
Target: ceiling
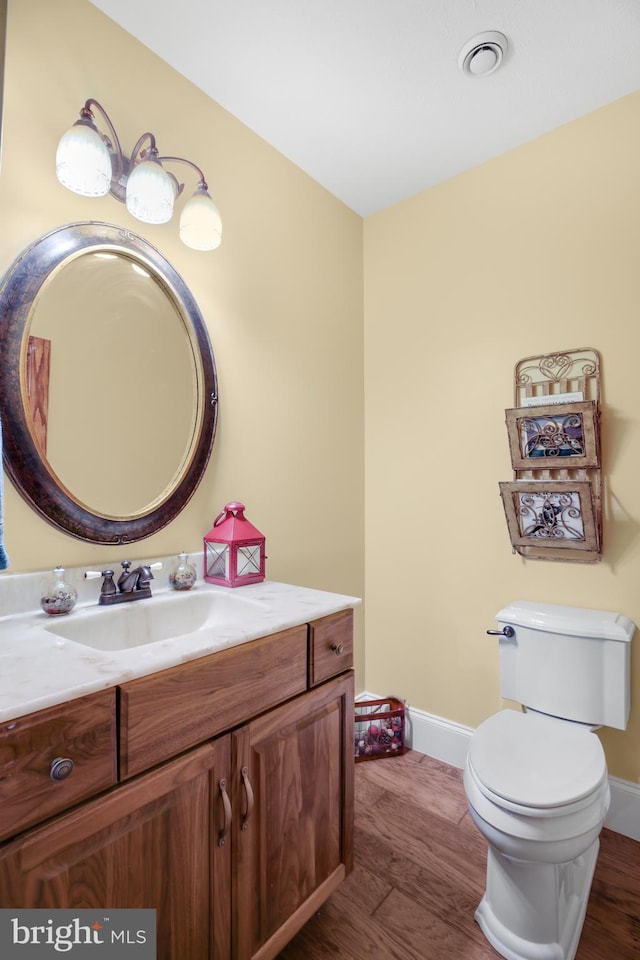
point(367, 96)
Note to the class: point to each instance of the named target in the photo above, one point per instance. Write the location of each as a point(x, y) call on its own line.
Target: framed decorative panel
point(568, 372)
point(550, 513)
point(552, 436)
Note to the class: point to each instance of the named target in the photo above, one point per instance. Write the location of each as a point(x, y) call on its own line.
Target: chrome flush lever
point(507, 632)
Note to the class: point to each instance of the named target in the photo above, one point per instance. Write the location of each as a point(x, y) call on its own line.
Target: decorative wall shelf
point(553, 506)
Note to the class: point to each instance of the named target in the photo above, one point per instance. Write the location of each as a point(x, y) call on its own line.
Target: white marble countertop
point(39, 668)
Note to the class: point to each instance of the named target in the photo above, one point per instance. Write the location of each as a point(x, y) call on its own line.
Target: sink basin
point(162, 617)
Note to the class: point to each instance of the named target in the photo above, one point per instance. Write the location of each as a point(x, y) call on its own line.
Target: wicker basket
point(379, 729)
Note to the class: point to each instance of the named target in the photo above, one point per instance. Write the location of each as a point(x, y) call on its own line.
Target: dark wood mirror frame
point(26, 467)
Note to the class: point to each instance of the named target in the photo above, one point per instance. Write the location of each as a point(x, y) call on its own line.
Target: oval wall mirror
point(108, 391)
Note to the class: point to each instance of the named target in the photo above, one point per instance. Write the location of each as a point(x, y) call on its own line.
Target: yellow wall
point(282, 297)
point(534, 252)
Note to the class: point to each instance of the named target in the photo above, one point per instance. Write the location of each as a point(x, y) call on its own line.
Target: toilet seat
point(536, 785)
point(536, 765)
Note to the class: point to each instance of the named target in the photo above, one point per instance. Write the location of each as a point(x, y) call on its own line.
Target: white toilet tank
point(567, 661)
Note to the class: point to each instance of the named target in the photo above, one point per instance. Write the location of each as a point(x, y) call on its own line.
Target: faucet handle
point(108, 586)
point(95, 574)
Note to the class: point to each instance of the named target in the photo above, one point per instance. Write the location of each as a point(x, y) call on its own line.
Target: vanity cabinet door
point(293, 814)
point(152, 843)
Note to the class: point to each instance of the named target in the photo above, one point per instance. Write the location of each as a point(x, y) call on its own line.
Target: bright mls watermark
point(78, 934)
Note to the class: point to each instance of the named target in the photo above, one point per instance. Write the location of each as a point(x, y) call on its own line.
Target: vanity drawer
point(82, 731)
point(330, 646)
point(168, 712)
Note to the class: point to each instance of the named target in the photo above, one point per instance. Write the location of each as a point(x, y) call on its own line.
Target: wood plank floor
point(419, 875)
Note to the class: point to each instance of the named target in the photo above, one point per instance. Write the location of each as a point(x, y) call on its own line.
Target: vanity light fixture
point(92, 164)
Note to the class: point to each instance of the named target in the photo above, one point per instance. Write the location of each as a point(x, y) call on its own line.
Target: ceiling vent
point(483, 54)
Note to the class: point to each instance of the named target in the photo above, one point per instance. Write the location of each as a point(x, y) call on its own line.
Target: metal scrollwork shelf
point(553, 506)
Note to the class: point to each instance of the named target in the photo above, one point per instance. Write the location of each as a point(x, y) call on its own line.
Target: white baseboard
point(624, 812)
point(448, 741)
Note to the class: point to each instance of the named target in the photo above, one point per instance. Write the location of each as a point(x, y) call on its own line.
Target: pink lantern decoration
point(233, 549)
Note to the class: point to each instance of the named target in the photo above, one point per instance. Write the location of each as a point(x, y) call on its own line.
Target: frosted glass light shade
point(200, 222)
point(150, 193)
point(83, 163)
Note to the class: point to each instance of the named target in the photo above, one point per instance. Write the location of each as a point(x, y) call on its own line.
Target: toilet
point(536, 781)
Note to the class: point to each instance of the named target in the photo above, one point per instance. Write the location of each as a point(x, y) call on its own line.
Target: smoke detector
point(483, 54)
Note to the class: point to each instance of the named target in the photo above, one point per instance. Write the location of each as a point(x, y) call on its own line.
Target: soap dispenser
point(183, 576)
point(59, 596)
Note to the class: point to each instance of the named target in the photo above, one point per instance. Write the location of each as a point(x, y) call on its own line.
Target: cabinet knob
point(338, 648)
point(61, 767)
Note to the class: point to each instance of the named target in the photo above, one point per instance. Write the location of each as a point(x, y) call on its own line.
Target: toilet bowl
point(538, 790)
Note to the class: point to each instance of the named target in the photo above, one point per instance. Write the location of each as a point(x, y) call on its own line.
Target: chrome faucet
point(132, 584)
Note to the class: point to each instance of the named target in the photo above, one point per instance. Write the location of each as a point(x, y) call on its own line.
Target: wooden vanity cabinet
point(238, 840)
point(145, 844)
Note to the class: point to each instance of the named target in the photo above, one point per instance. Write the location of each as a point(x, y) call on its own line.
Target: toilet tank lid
point(573, 621)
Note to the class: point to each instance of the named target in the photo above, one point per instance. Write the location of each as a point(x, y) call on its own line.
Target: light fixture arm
point(202, 182)
point(112, 141)
point(122, 165)
point(151, 149)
